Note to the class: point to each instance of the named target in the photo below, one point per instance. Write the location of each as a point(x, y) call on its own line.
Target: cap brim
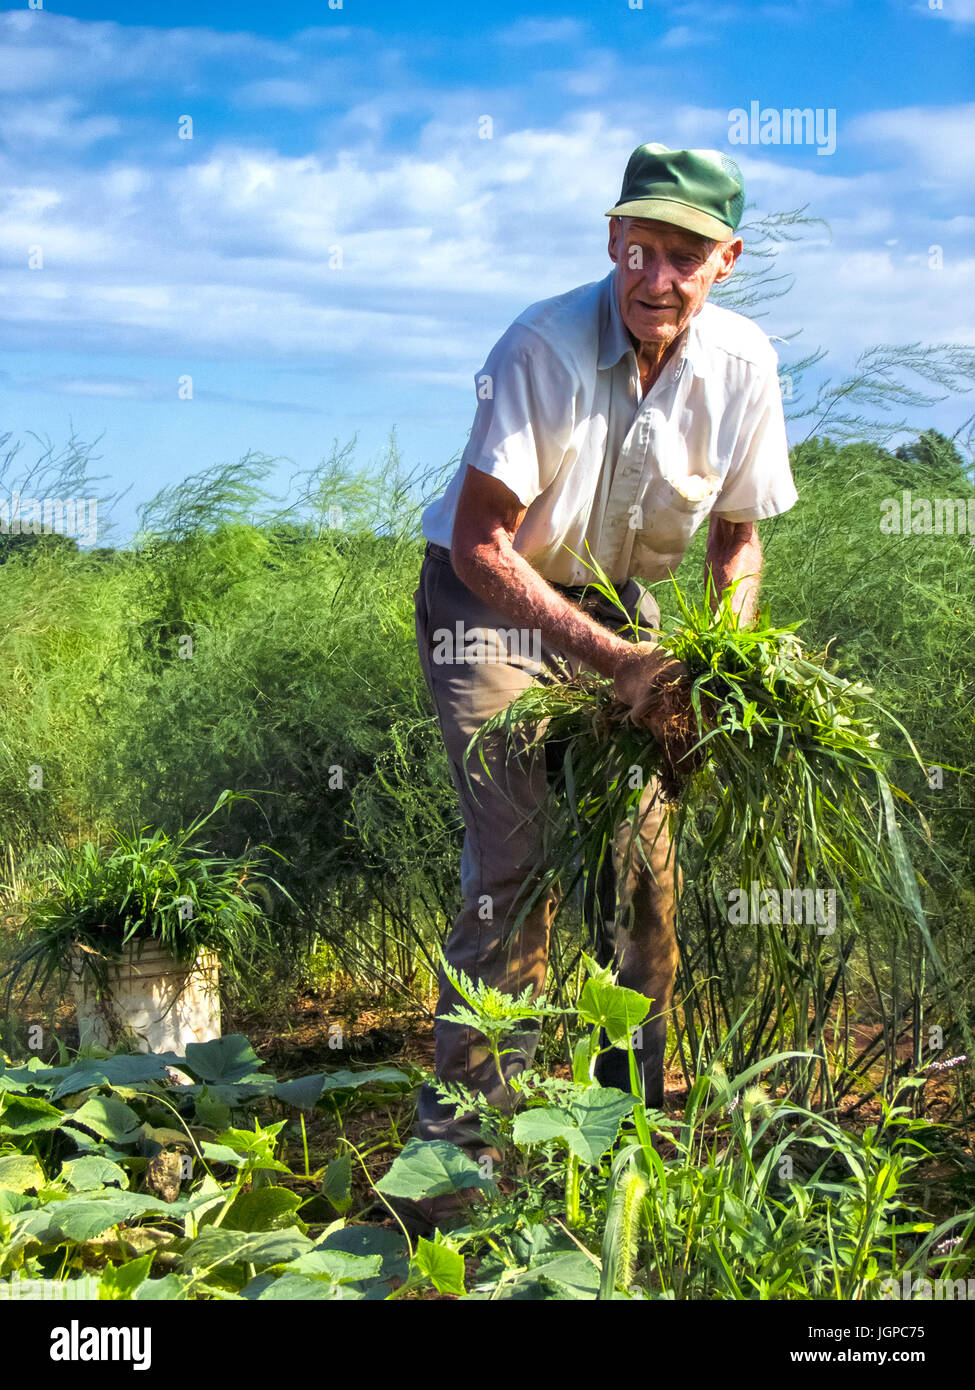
point(678, 214)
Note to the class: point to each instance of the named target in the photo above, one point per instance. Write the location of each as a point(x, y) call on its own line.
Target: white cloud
point(847, 300)
point(45, 50)
point(102, 388)
point(684, 36)
point(222, 246)
point(57, 122)
point(29, 202)
point(279, 91)
point(937, 142)
point(956, 11)
point(527, 32)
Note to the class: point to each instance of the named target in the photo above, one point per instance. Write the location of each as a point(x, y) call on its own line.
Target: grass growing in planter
point(777, 774)
point(147, 886)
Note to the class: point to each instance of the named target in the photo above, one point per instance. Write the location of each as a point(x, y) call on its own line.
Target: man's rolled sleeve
point(524, 415)
point(759, 482)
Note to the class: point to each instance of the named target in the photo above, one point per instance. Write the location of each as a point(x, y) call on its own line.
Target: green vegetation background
point(268, 647)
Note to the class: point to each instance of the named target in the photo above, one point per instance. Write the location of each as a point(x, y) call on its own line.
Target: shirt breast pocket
point(678, 506)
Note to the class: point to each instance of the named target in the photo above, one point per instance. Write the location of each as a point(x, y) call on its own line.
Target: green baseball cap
point(701, 190)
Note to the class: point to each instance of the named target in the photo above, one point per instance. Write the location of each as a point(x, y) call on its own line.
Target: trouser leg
point(637, 935)
point(501, 806)
point(486, 946)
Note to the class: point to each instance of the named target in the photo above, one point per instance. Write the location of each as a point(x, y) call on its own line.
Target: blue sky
point(358, 128)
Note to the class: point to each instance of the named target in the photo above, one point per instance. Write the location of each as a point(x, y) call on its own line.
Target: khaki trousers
point(502, 852)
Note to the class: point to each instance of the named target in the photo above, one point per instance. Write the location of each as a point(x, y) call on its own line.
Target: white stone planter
point(152, 1000)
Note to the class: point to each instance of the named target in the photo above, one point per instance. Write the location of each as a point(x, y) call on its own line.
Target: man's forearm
point(736, 554)
point(500, 576)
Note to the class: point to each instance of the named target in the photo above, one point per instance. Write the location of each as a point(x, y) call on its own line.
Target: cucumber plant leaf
point(441, 1265)
point(27, 1115)
point(222, 1060)
point(214, 1246)
point(91, 1171)
point(108, 1118)
point(337, 1183)
point(613, 1007)
point(431, 1168)
point(588, 1124)
point(20, 1173)
point(127, 1070)
point(299, 1288)
point(337, 1266)
point(263, 1209)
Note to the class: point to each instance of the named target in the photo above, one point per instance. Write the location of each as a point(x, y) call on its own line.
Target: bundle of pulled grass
point(771, 762)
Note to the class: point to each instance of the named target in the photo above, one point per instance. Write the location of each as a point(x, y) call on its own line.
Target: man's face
point(664, 274)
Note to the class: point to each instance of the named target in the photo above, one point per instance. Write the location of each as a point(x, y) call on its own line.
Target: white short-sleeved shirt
point(561, 422)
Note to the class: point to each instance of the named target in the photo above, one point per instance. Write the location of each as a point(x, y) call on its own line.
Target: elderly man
point(617, 416)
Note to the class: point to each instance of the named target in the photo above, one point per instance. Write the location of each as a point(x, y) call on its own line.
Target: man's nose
point(658, 273)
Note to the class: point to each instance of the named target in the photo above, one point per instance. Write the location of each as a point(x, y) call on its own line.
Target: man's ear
point(615, 238)
point(729, 253)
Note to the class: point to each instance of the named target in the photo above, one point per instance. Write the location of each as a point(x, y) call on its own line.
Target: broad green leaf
point(441, 1265)
point(553, 1268)
point(91, 1171)
point(337, 1183)
point(34, 1074)
point(124, 1070)
point(253, 1149)
point(85, 1218)
point(430, 1168)
point(28, 1115)
point(297, 1287)
point(370, 1241)
point(170, 1289)
point(20, 1172)
point(120, 1282)
point(613, 1007)
point(263, 1209)
point(211, 1112)
point(12, 1202)
point(87, 1144)
point(227, 1059)
point(571, 1272)
point(238, 1095)
point(345, 1080)
point(588, 1125)
point(304, 1091)
point(541, 1125)
point(214, 1246)
point(338, 1266)
point(89, 1215)
point(222, 1153)
point(529, 1243)
point(24, 1228)
point(108, 1118)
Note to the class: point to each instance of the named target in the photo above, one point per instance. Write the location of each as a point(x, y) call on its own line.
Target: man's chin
point(659, 334)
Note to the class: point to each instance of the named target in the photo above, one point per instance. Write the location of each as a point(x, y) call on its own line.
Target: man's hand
point(653, 684)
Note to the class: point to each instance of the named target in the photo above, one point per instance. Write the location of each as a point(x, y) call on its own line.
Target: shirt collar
point(614, 340)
